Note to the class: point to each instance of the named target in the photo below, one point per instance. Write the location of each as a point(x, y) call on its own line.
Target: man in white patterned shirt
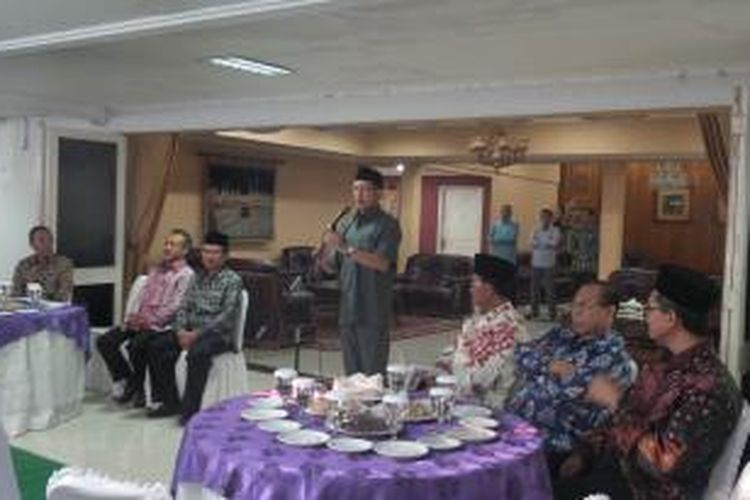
point(482, 359)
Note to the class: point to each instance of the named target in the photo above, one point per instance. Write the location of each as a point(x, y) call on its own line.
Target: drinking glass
point(5, 290)
point(302, 390)
point(441, 399)
point(397, 375)
point(395, 405)
point(34, 293)
point(446, 381)
point(284, 378)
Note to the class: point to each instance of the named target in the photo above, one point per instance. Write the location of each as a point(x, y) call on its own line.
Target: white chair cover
point(723, 475)
point(228, 374)
point(8, 487)
point(742, 488)
point(77, 484)
point(97, 376)
point(192, 491)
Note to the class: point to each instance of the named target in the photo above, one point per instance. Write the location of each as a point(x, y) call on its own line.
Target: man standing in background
point(545, 242)
point(503, 236)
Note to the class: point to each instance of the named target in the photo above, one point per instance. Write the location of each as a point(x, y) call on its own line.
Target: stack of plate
point(278, 426)
point(304, 438)
point(258, 414)
point(472, 434)
point(349, 445)
point(402, 450)
point(462, 411)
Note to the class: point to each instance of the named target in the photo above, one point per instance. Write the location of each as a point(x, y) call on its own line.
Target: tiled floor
point(125, 444)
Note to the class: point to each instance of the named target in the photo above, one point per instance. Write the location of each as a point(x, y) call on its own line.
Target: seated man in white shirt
point(482, 360)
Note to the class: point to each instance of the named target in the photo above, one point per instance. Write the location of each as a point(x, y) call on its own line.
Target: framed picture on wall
point(239, 201)
point(673, 205)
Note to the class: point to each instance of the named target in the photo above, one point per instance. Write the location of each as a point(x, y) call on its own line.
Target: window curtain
point(153, 165)
point(715, 141)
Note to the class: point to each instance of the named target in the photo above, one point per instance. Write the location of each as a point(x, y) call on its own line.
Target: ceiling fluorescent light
point(251, 66)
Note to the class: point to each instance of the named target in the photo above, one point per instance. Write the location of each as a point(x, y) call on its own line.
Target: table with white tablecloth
point(42, 367)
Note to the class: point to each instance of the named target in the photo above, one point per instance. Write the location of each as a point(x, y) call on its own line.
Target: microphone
point(340, 216)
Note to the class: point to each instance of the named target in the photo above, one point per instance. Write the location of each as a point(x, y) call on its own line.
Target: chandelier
point(499, 149)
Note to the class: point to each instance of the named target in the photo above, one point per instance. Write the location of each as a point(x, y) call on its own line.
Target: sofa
point(434, 285)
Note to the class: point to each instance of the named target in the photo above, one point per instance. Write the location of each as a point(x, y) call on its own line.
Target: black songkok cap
point(217, 238)
point(370, 175)
point(496, 271)
point(685, 287)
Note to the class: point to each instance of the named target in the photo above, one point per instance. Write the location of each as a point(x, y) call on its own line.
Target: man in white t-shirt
point(545, 242)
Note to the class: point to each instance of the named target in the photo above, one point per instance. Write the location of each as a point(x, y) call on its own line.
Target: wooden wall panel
point(698, 243)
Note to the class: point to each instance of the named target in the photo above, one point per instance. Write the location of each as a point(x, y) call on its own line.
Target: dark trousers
point(604, 477)
point(162, 355)
point(365, 348)
point(119, 368)
point(542, 277)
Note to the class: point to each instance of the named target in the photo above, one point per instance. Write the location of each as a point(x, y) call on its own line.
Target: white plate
point(440, 442)
point(263, 414)
point(267, 402)
point(305, 437)
point(462, 411)
point(472, 434)
point(279, 425)
point(401, 449)
point(349, 445)
point(487, 423)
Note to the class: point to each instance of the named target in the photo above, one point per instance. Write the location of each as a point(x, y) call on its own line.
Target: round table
point(42, 366)
point(227, 457)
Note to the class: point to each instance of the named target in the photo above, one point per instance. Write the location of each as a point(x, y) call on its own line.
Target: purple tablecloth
point(71, 321)
point(237, 460)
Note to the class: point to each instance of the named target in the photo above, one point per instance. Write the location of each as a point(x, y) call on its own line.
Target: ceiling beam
point(235, 13)
point(666, 91)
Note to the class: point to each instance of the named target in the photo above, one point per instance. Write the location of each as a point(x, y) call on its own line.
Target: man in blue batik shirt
point(554, 372)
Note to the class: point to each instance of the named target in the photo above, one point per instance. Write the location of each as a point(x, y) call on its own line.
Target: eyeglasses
point(648, 308)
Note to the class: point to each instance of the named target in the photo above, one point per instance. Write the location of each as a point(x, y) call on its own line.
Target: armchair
point(435, 285)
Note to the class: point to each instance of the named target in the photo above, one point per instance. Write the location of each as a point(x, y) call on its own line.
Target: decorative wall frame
point(239, 200)
point(673, 205)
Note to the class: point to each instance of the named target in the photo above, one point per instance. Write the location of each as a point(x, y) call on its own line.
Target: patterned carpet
point(32, 473)
point(405, 327)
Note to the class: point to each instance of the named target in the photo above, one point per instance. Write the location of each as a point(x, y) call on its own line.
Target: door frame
point(428, 227)
point(442, 190)
point(93, 275)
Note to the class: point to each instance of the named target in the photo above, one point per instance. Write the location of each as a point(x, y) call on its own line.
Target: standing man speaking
point(363, 247)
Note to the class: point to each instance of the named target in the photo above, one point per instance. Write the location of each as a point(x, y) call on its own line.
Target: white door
point(460, 211)
point(86, 205)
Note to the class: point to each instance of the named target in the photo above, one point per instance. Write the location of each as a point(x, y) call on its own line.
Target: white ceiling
point(365, 60)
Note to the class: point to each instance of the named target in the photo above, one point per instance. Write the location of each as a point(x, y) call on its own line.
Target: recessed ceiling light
point(400, 167)
point(250, 65)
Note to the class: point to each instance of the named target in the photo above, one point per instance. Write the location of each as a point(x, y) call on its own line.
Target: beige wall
point(612, 137)
point(309, 194)
point(527, 187)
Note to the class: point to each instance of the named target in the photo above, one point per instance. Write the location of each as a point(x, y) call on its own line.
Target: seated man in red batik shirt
point(668, 432)
point(160, 299)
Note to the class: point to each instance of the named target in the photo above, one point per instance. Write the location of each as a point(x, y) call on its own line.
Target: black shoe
point(163, 411)
point(130, 391)
point(140, 400)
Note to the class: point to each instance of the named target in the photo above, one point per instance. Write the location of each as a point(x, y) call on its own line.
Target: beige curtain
point(153, 162)
point(715, 140)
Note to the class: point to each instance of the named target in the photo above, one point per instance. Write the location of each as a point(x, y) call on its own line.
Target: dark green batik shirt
point(366, 293)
